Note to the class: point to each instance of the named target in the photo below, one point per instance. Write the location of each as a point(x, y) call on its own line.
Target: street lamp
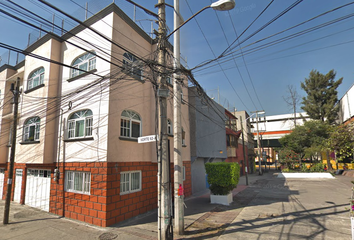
point(221, 5)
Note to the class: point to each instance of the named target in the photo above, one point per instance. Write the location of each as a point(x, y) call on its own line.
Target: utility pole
point(244, 153)
point(258, 143)
point(177, 131)
point(259, 148)
point(165, 230)
point(16, 92)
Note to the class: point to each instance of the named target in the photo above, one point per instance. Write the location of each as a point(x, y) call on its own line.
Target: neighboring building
point(346, 110)
point(234, 149)
point(271, 129)
point(207, 129)
point(244, 118)
point(77, 153)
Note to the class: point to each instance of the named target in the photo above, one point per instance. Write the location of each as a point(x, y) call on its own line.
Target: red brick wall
point(105, 206)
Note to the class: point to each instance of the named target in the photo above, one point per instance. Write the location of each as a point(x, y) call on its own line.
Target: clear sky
point(255, 78)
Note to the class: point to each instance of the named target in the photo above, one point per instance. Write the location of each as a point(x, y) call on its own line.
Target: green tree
point(321, 100)
point(307, 140)
point(341, 141)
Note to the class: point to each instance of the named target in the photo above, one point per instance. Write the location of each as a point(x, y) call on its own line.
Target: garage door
point(38, 189)
point(18, 185)
point(2, 176)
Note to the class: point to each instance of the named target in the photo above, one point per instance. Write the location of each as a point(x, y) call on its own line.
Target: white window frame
point(29, 123)
point(87, 121)
point(70, 185)
point(39, 173)
point(86, 62)
point(126, 179)
point(36, 78)
point(133, 66)
point(127, 122)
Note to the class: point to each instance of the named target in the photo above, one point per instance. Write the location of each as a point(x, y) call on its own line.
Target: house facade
point(247, 144)
point(207, 129)
point(80, 116)
point(234, 149)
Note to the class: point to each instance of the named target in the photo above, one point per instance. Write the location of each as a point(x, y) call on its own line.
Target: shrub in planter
point(222, 177)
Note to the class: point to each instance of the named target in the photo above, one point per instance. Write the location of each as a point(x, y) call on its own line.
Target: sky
point(256, 70)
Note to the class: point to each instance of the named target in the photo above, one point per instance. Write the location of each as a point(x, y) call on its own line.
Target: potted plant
point(222, 178)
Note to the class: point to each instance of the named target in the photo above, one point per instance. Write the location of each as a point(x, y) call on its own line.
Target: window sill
point(81, 75)
point(77, 192)
point(128, 139)
point(170, 135)
point(29, 142)
point(78, 139)
point(125, 193)
point(34, 88)
point(184, 145)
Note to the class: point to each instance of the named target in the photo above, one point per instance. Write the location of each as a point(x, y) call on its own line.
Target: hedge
point(223, 177)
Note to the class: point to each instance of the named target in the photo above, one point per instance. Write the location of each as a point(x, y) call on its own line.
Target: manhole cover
point(108, 236)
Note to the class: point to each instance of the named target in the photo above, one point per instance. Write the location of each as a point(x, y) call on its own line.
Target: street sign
point(150, 138)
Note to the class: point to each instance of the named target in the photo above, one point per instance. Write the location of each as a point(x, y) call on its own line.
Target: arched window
point(35, 78)
point(169, 127)
point(133, 66)
point(130, 124)
point(31, 129)
point(86, 62)
point(80, 124)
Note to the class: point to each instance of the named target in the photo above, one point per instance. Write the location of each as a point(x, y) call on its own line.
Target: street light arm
point(169, 35)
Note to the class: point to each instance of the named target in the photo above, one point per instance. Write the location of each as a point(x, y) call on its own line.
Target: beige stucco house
point(77, 153)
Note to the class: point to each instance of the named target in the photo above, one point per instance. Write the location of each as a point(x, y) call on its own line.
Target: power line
point(227, 78)
point(254, 33)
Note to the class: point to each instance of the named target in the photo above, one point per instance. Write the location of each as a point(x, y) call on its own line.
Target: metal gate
point(18, 185)
point(38, 189)
point(2, 177)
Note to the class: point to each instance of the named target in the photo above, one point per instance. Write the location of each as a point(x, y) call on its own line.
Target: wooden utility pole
point(16, 92)
point(165, 229)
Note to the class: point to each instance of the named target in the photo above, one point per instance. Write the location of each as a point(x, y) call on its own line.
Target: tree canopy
point(307, 140)
point(341, 140)
point(321, 100)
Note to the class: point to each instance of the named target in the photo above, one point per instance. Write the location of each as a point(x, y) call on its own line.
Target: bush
point(304, 168)
point(222, 177)
point(318, 167)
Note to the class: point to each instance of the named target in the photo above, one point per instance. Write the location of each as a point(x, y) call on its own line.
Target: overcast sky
point(254, 78)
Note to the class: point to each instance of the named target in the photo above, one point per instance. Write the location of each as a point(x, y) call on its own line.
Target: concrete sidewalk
point(31, 223)
point(269, 208)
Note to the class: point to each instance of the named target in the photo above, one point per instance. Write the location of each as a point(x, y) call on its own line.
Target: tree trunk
point(329, 165)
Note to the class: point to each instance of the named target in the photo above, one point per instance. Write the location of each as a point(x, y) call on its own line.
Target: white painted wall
point(347, 105)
